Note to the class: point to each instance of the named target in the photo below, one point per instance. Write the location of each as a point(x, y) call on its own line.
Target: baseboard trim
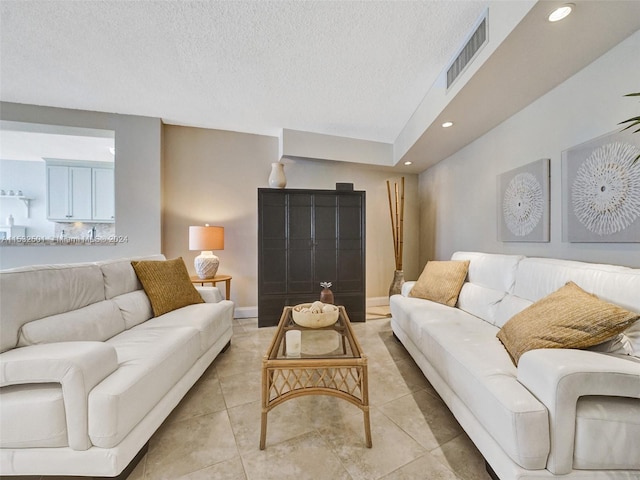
point(245, 312)
point(377, 301)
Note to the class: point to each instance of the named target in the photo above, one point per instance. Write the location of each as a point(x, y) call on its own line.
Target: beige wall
point(212, 176)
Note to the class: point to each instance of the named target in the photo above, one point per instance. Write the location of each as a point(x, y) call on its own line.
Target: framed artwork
point(523, 203)
point(601, 190)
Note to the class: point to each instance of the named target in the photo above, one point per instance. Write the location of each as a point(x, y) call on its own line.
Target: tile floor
point(214, 433)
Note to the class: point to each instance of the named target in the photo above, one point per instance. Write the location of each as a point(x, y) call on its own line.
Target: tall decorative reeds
point(396, 211)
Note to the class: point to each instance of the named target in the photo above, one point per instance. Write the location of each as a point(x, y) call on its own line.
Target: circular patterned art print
point(605, 194)
point(522, 204)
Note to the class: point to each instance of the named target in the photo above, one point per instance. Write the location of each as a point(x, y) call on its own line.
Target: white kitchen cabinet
point(103, 194)
point(57, 192)
point(79, 192)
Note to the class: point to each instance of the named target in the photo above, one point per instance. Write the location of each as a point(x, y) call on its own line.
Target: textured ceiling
point(355, 69)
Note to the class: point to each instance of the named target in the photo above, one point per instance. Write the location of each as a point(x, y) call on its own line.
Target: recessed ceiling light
point(447, 124)
point(561, 12)
point(408, 163)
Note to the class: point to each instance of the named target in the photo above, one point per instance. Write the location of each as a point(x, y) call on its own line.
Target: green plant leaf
point(633, 122)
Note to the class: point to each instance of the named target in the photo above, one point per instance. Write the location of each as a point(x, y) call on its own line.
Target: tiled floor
point(214, 432)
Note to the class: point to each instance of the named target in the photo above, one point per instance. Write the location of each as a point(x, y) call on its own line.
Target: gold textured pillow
point(567, 318)
point(167, 284)
point(441, 281)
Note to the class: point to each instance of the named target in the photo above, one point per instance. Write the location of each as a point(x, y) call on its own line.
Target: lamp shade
point(206, 238)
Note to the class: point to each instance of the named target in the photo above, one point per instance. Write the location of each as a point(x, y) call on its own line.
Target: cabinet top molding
point(61, 162)
point(311, 190)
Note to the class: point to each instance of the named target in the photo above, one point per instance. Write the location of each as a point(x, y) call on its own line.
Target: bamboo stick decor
point(396, 211)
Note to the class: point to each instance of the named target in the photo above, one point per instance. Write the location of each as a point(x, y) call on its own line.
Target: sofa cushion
point(60, 288)
point(150, 361)
point(467, 355)
point(210, 319)
point(40, 409)
point(97, 322)
point(612, 421)
point(409, 313)
point(619, 344)
point(567, 318)
point(167, 284)
point(120, 277)
point(538, 277)
point(135, 307)
point(210, 294)
point(632, 335)
point(441, 281)
point(508, 307)
point(480, 301)
point(491, 270)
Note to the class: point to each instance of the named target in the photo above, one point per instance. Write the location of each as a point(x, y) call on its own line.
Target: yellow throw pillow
point(567, 318)
point(441, 281)
point(167, 284)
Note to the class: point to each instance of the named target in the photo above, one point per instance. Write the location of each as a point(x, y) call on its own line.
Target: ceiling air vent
point(477, 40)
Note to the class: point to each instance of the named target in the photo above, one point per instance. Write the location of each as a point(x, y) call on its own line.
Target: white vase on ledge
point(277, 178)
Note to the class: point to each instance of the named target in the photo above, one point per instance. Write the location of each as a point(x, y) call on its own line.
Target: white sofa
point(87, 374)
point(561, 413)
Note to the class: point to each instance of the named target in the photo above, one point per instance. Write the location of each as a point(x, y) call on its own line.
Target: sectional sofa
point(561, 413)
point(87, 372)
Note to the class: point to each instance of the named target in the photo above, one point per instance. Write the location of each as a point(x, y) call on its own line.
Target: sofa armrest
point(406, 288)
point(209, 294)
point(558, 377)
point(76, 366)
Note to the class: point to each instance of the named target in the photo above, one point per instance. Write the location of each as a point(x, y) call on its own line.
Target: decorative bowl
point(305, 318)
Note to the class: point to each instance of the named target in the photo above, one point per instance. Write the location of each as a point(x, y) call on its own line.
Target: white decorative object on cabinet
point(277, 178)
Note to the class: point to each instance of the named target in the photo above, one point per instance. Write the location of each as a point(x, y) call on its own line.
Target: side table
point(218, 278)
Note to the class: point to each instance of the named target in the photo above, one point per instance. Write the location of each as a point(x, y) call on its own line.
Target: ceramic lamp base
point(206, 265)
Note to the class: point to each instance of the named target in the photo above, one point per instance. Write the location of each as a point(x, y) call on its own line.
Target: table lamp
point(206, 238)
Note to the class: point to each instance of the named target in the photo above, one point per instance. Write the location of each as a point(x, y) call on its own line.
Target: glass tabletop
point(292, 341)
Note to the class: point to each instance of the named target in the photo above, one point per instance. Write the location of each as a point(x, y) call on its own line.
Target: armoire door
point(350, 257)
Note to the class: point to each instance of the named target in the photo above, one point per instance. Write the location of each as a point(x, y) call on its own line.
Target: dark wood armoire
point(306, 237)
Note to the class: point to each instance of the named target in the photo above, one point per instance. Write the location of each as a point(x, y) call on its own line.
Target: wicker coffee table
point(331, 362)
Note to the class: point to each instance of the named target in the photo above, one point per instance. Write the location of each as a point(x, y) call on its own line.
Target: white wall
point(458, 195)
point(137, 182)
point(212, 176)
point(30, 178)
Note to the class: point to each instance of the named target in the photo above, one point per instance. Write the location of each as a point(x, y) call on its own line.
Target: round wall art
point(601, 190)
point(605, 195)
point(523, 203)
